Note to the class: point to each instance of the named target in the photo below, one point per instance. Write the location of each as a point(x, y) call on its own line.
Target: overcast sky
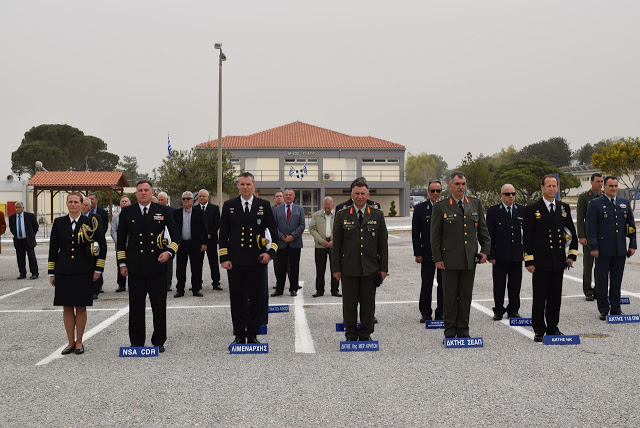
point(443, 77)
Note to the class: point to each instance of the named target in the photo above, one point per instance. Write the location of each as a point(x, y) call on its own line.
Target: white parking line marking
point(489, 312)
point(304, 341)
point(394, 236)
point(14, 292)
point(621, 291)
point(87, 335)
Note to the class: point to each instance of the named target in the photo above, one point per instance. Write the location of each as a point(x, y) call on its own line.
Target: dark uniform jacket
point(421, 230)
point(140, 241)
point(505, 232)
point(544, 237)
point(70, 251)
point(198, 226)
point(242, 237)
point(30, 227)
point(360, 250)
point(609, 226)
point(581, 211)
point(455, 236)
point(212, 217)
point(104, 219)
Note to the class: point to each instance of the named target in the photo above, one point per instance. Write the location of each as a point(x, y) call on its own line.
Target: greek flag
point(168, 145)
point(292, 171)
point(304, 168)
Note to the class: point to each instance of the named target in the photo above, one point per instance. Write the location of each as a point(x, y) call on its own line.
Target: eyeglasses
point(186, 199)
point(509, 193)
point(435, 190)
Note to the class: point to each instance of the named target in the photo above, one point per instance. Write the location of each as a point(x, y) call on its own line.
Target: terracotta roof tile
point(301, 135)
point(78, 179)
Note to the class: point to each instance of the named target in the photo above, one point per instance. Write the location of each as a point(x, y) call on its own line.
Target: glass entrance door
point(308, 199)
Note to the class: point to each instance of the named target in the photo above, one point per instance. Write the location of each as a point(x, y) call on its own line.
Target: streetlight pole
point(222, 57)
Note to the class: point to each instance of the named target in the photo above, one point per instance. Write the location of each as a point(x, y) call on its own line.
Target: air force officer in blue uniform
point(609, 222)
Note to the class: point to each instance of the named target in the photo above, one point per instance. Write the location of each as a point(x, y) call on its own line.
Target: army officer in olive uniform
point(581, 218)
point(141, 254)
point(457, 226)
point(360, 259)
point(609, 223)
point(543, 241)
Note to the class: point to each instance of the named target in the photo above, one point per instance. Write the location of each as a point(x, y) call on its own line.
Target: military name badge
point(158, 217)
point(258, 221)
point(564, 213)
point(623, 206)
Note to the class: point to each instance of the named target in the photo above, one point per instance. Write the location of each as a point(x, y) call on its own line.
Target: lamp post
point(221, 57)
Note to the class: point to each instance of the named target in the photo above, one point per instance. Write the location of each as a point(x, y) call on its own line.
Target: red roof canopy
point(79, 180)
point(301, 135)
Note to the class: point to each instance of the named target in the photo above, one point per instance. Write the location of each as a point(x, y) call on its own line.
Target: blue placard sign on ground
point(340, 326)
point(353, 346)
point(463, 342)
point(278, 308)
point(519, 321)
point(139, 351)
point(249, 348)
point(623, 300)
point(262, 329)
point(434, 324)
point(568, 339)
point(625, 318)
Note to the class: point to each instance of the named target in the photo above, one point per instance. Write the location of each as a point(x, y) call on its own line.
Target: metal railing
point(330, 175)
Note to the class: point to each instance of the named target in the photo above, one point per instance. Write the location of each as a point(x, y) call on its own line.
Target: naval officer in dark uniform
point(360, 259)
point(421, 237)
point(543, 241)
point(141, 256)
point(609, 223)
point(244, 250)
point(457, 226)
point(581, 218)
point(504, 222)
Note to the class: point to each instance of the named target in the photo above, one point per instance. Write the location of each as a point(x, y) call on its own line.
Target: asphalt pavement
point(305, 380)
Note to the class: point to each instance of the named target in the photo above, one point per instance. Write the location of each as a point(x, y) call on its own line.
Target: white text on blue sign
point(519, 321)
point(624, 318)
point(138, 351)
point(353, 346)
point(249, 348)
point(434, 324)
point(340, 326)
point(562, 340)
point(278, 308)
point(464, 342)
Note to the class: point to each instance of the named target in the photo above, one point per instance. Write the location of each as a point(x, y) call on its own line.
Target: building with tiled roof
point(318, 162)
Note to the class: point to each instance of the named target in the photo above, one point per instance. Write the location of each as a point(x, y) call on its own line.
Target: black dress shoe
point(217, 287)
point(364, 338)
point(336, 294)
point(299, 287)
point(238, 340)
point(603, 316)
point(161, 349)
point(539, 337)
point(617, 313)
point(67, 351)
point(294, 293)
point(423, 320)
point(95, 296)
point(79, 351)
point(375, 320)
point(556, 333)
point(317, 294)
point(120, 289)
point(252, 339)
point(589, 298)
point(276, 294)
point(100, 290)
point(22, 277)
point(35, 276)
point(515, 315)
point(497, 317)
point(197, 294)
point(179, 294)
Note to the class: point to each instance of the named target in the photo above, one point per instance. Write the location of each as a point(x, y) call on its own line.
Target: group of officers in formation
point(248, 233)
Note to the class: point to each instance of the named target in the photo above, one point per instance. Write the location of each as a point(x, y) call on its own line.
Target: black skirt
point(74, 290)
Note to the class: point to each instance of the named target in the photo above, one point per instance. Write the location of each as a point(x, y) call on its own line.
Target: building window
point(234, 160)
point(379, 161)
point(301, 160)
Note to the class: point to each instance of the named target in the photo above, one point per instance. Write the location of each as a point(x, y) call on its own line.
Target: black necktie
point(144, 212)
point(461, 206)
point(73, 225)
point(613, 202)
point(246, 208)
point(509, 211)
point(551, 210)
point(360, 217)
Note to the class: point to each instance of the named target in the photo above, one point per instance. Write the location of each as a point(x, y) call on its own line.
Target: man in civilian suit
point(421, 236)
point(115, 221)
point(193, 242)
point(104, 224)
point(163, 199)
point(504, 222)
point(290, 224)
point(609, 223)
point(24, 226)
point(212, 217)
